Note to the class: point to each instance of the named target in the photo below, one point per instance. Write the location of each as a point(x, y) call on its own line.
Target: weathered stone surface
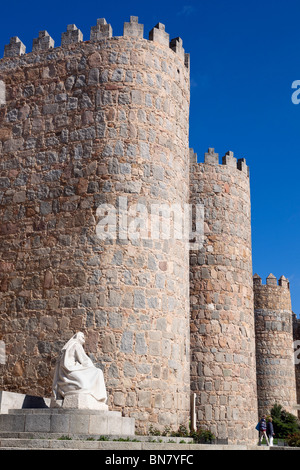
point(223, 369)
point(102, 30)
point(43, 42)
point(276, 381)
point(71, 36)
point(14, 48)
point(133, 28)
point(79, 123)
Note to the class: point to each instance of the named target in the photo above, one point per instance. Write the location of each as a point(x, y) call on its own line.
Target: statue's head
point(80, 337)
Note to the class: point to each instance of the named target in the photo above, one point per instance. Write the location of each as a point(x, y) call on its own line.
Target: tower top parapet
point(271, 280)
point(212, 158)
point(102, 31)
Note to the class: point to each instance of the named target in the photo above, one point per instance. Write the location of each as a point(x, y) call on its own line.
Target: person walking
point(270, 431)
point(263, 430)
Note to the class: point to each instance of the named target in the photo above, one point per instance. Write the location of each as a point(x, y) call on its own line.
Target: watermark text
point(139, 221)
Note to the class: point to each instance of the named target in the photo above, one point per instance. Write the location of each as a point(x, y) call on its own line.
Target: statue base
point(79, 401)
point(32, 416)
point(69, 422)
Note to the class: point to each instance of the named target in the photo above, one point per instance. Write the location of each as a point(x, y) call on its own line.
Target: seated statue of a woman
point(75, 373)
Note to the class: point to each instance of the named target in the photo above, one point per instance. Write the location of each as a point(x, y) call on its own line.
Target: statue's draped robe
point(76, 373)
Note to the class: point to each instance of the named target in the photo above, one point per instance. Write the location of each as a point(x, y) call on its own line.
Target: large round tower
point(276, 381)
point(94, 140)
point(223, 372)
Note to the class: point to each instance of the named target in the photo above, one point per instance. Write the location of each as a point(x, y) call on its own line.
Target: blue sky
point(245, 56)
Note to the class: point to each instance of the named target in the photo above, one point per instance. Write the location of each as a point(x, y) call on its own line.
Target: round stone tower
point(223, 371)
point(276, 382)
point(94, 159)
point(296, 344)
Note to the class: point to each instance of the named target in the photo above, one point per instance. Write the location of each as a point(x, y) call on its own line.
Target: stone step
point(96, 437)
point(55, 444)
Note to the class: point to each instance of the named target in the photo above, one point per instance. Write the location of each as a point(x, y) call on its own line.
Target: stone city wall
point(274, 344)
point(90, 123)
point(296, 338)
point(223, 371)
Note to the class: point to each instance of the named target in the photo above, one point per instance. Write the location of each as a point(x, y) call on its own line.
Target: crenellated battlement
point(71, 36)
point(44, 42)
point(212, 158)
point(100, 32)
point(272, 281)
point(14, 48)
point(133, 28)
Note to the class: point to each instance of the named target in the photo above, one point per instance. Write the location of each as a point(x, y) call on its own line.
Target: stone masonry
point(276, 382)
point(296, 350)
point(101, 123)
point(95, 167)
point(223, 369)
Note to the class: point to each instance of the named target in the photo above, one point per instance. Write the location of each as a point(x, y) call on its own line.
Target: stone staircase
point(42, 441)
point(73, 429)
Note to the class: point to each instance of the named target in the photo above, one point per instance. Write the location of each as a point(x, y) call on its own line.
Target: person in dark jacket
point(270, 431)
point(263, 430)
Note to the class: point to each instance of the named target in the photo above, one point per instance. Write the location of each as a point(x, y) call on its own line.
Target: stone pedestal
point(67, 421)
point(79, 401)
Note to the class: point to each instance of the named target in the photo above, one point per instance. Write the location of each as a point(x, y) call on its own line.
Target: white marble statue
point(76, 379)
